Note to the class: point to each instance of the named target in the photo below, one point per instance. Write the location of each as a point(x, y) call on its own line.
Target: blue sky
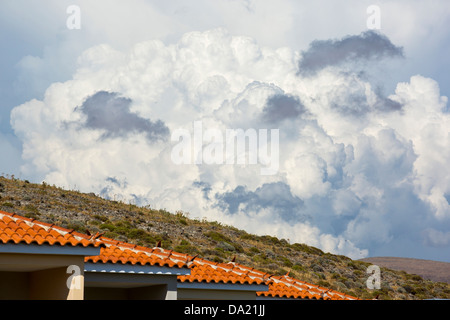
point(362, 113)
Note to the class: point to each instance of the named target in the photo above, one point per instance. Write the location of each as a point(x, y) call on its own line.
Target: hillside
point(427, 269)
point(210, 240)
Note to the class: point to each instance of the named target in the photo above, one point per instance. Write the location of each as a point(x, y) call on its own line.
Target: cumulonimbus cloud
point(355, 166)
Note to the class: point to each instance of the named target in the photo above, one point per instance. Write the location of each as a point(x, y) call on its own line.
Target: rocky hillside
point(427, 269)
point(210, 240)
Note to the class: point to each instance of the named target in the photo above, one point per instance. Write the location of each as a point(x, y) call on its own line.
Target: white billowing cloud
point(354, 164)
point(428, 128)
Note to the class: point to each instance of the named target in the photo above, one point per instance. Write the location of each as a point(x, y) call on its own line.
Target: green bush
point(323, 283)
point(307, 249)
point(247, 236)
point(286, 262)
point(7, 204)
point(253, 250)
point(77, 226)
point(299, 267)
point(186, 247)
point(32, 209)
point(108, 226)
point(101, 218)
point(216, 236)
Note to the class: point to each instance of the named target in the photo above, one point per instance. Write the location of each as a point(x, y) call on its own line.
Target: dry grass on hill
point(427, 269)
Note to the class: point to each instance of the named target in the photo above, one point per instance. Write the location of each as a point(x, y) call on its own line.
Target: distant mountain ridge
point(427, 269)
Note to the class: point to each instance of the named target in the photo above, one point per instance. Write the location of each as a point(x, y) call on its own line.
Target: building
point(43, 261)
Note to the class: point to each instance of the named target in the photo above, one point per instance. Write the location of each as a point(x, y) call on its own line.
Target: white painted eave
point(134, 269)
point(25, 248)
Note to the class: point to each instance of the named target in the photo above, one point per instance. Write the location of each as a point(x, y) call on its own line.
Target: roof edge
point(35, 248)
point(128, 268)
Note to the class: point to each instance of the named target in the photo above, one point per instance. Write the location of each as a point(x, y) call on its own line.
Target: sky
point(340, 107)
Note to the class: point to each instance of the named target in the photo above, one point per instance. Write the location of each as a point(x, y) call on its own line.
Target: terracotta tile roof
point(207, 271)
point(279, 286)
point(127, 253)
point(288, 287)
point(15, 229)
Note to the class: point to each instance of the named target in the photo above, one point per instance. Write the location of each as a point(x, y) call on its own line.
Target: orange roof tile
point(279, 286)
point(15, 229)
point(127, 253)
point(288, 287)
point(207, 271)
point(18, 229)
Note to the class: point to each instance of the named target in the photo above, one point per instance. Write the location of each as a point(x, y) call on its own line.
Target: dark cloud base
point(368, 46)
point(274, 196)
point(110, 112)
